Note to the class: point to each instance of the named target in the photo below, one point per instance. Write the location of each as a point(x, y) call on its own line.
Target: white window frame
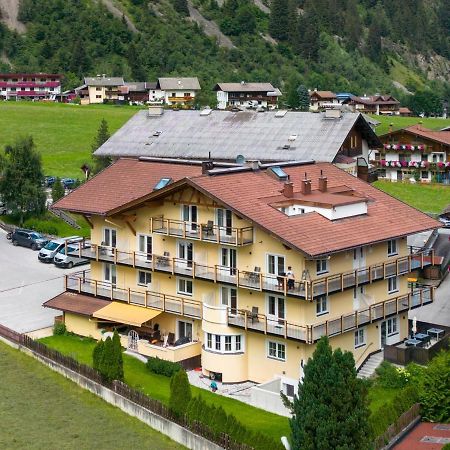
point(145, 238)
point(112, 271)
point(322, 270)
point(185, 291)
point(185, 322)
point(227, 301)
point(394, 288)
point(392, 323)
point(224, 343)
point(147, 273)
point(276, 315)
point(279, 347)
point(392, 247)
point(360, 337)
point(276, 256)
point(110, 230)
point(320, 310)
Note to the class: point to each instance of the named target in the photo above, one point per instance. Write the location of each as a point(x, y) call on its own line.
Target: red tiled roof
point(323, 94)
point(438, 136)
point(121, 183)
point(76, 303)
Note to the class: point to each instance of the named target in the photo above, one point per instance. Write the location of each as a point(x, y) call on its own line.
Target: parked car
point(445, 221)
point(68, 183)
point(70, 259)
point(3, 209)
point(49, 181)
point(28, 238)
point(47, 253)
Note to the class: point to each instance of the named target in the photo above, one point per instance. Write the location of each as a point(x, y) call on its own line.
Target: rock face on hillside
point(8, 13)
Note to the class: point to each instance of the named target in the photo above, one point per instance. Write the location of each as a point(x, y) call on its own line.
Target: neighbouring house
point(179, 91)
point(30, 86)
point(322, 99)
point(245, 135)
point(102, 89)
point(138, 91)
point(342, 96)
point(155, 95)
point(240, 270)
point(404, 111)
point(415, 153)
point(375, 104)
point(247, 95)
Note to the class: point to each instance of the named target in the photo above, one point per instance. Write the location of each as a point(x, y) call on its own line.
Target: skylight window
point(280, 173)
point(163, 182)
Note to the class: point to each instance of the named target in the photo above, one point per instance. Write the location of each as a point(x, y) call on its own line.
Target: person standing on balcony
point(290, 278)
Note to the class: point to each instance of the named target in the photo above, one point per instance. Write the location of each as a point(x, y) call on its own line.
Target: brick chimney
point(322, 183)
point(306, 185)
point(288, 189)
point(206, 166)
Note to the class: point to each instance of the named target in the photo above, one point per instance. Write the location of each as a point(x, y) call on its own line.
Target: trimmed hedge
point(162, 367)
point(59, 329)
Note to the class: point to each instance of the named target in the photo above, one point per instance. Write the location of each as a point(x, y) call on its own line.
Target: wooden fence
point(133, 395)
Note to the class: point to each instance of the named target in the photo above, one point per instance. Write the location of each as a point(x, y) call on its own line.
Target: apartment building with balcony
point(102, 88)
point(177, 91)
point(246, 95)
point(30, 86)
point(240, 270)
point(414, 152)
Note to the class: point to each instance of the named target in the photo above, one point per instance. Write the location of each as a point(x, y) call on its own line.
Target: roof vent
point(206, 112)
point(286, 147)
point(281, 113)
point(292, 137)
point(155, 111)
point(253, 164)
point(157, 133)
point(240, 159)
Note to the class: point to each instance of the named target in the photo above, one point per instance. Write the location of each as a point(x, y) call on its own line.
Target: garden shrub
point(390, 376)
point(107, 359)
point(42, 226)
point(59, 329)
point(180, 393)
point(162, 367)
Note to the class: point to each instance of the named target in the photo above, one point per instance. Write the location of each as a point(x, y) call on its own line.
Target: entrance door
point(225, 222)
point(133, 338)
point(184, 330)
point(383, 334)
point(145, 247)
point(186, 253)
point(190, 216)
point(229, 259)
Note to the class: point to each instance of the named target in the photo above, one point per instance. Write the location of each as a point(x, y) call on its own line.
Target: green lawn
point(41, 409)
point(157, 386)
point(379, 396)
point(402, 122)
point(63, 133)
point(430, 198)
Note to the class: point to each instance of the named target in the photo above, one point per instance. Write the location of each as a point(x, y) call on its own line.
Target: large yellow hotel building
point(240, 270)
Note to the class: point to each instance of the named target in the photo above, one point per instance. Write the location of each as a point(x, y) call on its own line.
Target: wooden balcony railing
point(79, 282)
point(347, 322)
point(257, 280)
point(206, 232)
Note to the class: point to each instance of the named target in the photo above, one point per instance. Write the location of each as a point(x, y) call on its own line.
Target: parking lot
point(25, 283)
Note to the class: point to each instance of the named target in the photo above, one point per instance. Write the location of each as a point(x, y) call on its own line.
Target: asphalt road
point(25, 283)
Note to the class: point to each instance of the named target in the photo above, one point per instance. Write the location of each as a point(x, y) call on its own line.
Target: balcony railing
point(206, 232)
point(166, 303)
point(347, 322)
point(257, 280)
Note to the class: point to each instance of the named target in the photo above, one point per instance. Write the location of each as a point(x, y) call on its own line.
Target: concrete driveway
point(25, 283)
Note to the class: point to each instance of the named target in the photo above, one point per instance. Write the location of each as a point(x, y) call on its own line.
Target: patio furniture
point(436, 332)
point(254, 314)
point(171, 339)
point(254, 276)
point(208, 229)
point(163, 261)
point(413, 342)
point(422, 337)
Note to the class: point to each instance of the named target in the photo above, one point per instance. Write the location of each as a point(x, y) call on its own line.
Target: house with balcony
point(29, 86)
point(101, 89)
point(240, 270)
point(178, 92)
point(414, 152)
point(246, 95)
point(322, 99)
point(375, 104)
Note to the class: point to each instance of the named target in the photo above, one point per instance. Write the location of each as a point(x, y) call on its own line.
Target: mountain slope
point(361, 46)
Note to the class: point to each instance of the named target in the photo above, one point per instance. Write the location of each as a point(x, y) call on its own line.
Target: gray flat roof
point(179, 83)
point(266, 136)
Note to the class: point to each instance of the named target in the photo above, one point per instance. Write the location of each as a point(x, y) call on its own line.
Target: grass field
point(157, 386)
point(398, 122)
point(41, 409)
point(430, 198)
point(63, 134)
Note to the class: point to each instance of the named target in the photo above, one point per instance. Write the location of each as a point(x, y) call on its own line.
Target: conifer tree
point(118, 359)
point(303, 98)
point(330, 410)
point(57, 190)
point(97, 354)
point(180, 393)
point(101, 162)
point(279, 19)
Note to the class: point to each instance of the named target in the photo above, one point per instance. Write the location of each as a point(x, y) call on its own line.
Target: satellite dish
point(240, 159)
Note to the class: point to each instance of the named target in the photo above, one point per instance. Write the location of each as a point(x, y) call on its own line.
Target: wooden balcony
point(186, 98)
point(206, 232)
point(80, 283)
point(257, 280)
point(309, 334)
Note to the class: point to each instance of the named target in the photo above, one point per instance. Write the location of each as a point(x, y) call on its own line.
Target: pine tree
point(292, 98)
point(97, 355)
point(279, 20)
point(118, 359)
point(57, 190)
point(330, 410)
point(180, 393)
point(303, 98)
point(181, 7)
point(101, 162)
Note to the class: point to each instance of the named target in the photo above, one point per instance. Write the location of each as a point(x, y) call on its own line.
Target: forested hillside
point(361, 46)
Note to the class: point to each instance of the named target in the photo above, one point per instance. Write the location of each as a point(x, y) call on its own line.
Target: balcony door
point(190, 216)
point(276, 308)
point(145, 247)
point(184, 330)
point(185, 253)
point(225, 221)
point(359, 262)
point(228, 297)
point(228, 260)
point(109, 237)
point(110, 274)
point(276, 268)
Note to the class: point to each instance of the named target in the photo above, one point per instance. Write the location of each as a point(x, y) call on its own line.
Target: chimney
point(288, 189)
point(322, 183)
point(253, 164)
point(306, 185)
point(206, 166)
